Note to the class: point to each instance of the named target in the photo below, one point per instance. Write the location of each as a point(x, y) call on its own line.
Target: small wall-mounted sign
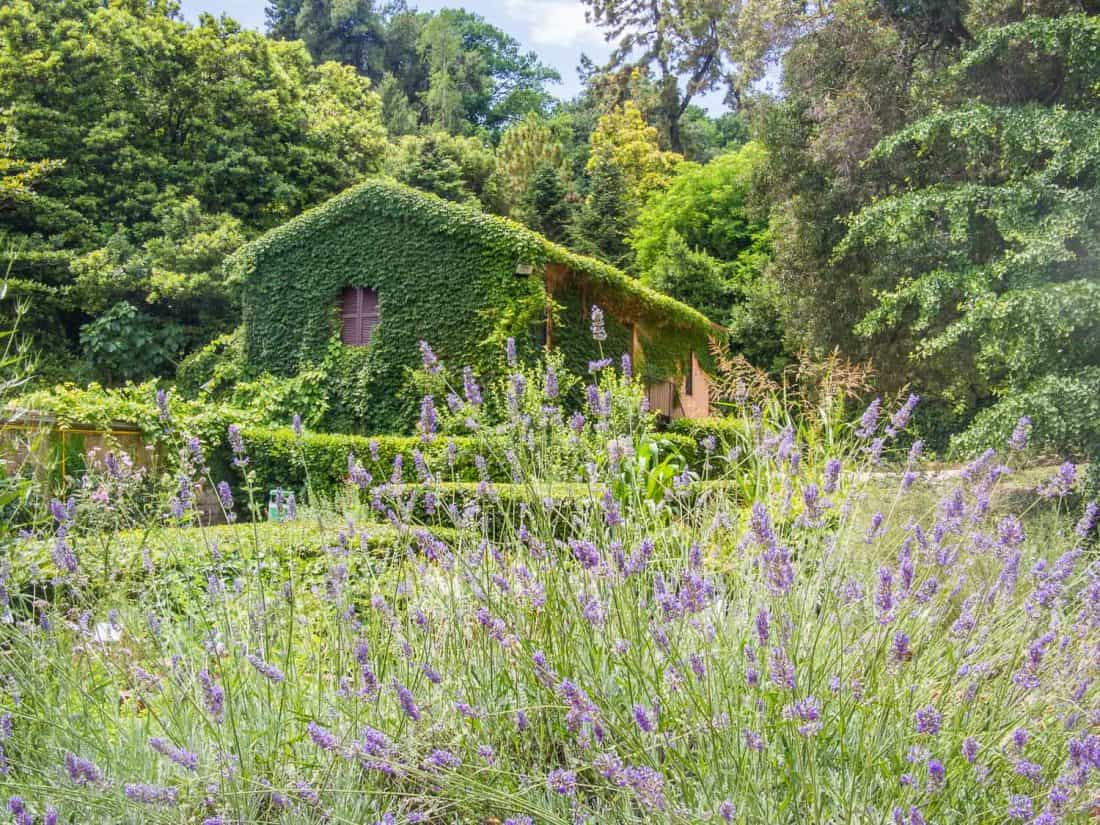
point(524, 269)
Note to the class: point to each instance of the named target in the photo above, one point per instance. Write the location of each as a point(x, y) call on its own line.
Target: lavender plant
point(661, 651)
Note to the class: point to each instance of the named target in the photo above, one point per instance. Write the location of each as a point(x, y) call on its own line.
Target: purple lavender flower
point(868, 422)
point(408, 704)
point(901, 647)
point(1018, 439)
point(832, 476)
point(1062, 482)
point(1020, 737)
point(429, 422)
point(1020, 807)
point(162, 406)
point(236, 444)
point(213, 695)
point(585, 552)
point(698, 666)
point(753, 741)
point(225, 494)
point(428, 359)
point(807, 711)
point(599, 364)
point(936, 773)
point(323, 738)
point(1029, 769)
point(440, 758)
point(763, 630)
point(642, 719)
point(781, 669)
point(551, 383)
point(599, 331)
point(82, 771)
point(874, 530)
point(900, 419)
point(265, 669)
point(181, 757)
point(970, 749)
point(884, 595)
point(928, 720)
point(727, 811)
point(296, 425)
point(470, 388)
point(1088, 520)
point(152, 794)
point(562, 782)
point(778, 573)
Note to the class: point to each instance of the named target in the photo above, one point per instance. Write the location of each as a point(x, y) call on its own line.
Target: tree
point(546, 206)
point(346, 31)
point(606, 214)
point(455, 168)
point(624, 140)
point(707, 206)
point(701, 241)
point(455, 70)
point(846, 85)
point(985, 242)
point(681, 40)
point(524, 149)
point(18, 177)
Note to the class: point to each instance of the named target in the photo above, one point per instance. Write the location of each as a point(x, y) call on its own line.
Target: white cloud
point(555, 23)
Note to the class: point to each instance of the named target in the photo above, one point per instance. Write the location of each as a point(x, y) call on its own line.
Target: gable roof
point(436, 215)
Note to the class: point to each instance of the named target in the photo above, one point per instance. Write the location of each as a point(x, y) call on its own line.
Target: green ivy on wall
point(444, 273)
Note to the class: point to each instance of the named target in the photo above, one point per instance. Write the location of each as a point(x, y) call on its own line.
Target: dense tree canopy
point(166, 144)
point(701, 241)
point(987, 238)
point(449, 69)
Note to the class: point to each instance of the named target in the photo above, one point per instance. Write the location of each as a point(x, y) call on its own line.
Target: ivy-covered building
point(354, 284)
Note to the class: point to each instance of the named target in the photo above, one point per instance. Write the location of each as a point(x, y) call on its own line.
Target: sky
point(554, 29)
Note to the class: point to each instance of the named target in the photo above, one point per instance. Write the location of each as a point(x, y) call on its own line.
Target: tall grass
point(821, 653)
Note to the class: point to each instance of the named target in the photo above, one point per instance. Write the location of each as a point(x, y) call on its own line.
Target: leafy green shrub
point(217, 366)
point(123, 344)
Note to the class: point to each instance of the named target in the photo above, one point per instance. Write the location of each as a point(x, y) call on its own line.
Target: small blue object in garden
point(276, 505)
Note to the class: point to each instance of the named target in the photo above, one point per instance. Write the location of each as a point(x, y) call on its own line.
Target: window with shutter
point(358, 315)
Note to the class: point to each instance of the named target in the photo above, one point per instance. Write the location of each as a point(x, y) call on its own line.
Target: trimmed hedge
point(280, 459)
point(444, 273)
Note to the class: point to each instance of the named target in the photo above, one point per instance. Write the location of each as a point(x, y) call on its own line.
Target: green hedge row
point(318, 462)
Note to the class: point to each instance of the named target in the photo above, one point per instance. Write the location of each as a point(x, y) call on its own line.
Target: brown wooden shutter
point(358, 315)
point(368, 318)
point(689, 379)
